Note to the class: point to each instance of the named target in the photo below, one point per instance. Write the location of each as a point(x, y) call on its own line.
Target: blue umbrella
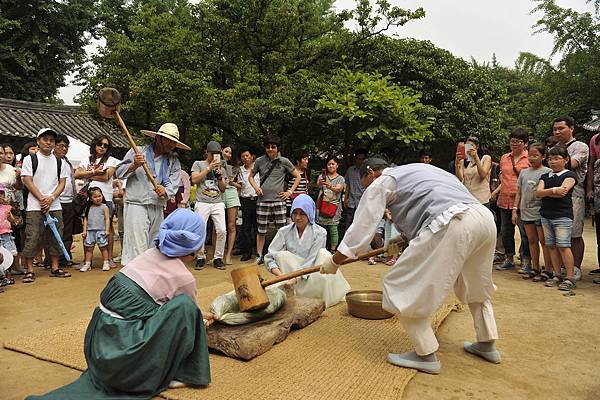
point(51, 222)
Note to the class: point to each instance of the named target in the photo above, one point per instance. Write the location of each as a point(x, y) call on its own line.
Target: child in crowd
point(6, 239)
point(556, 188)
point(527, 203)
point(95, 229)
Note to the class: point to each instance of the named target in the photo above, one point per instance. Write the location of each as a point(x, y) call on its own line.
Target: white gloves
point(328, 266)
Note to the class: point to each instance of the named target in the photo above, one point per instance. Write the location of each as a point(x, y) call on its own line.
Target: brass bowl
point(366, 304)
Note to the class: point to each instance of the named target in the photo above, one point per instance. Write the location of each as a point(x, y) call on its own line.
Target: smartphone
point(217, 157)
point(324, 173)
point(468, 146)
point(460, 150)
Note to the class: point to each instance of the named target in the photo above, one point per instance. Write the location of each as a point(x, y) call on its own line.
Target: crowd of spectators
point(539, 188)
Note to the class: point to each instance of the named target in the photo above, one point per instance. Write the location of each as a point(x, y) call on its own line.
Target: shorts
point(95, 238)
point(557, 232)
point(231, 198)
point(578, 216)
point(536, 222)
point(269, 210)
point(8, 242)
point(36, 233)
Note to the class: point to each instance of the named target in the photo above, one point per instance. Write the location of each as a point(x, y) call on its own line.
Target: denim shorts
point(557, 232)
point(95, 237)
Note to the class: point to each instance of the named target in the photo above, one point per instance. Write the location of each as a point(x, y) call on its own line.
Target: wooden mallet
point(109, 104)
point(250, 288)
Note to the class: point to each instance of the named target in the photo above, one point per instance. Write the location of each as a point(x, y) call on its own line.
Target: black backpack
point(34, 166)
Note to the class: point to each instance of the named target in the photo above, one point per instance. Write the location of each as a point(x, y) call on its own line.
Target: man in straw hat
point(452, 241)
point(143, 212)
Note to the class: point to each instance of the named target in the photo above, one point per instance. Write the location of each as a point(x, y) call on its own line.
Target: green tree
point(40, 42)
point(368, 106)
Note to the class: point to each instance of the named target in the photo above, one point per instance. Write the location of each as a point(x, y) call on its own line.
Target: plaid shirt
point(508, 178)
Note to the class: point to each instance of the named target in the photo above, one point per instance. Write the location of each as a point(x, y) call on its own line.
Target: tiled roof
point(25, 118)
point(594, 124)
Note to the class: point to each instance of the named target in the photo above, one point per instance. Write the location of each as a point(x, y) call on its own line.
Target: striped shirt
point(301, 189)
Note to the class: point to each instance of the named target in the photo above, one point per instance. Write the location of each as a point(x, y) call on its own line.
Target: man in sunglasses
point(271, 191)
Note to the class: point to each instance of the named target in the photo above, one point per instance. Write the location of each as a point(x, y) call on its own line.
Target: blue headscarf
point(181, 233)
point(306, 204)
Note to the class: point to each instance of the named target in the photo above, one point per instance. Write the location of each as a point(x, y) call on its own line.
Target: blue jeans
point(557, 232)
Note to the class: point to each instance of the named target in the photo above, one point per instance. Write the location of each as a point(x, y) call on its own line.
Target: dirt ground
point(549, 342)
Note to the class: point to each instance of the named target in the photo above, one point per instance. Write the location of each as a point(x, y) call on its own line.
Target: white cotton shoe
point(411, 360)
point(176, 384)
point(491, 356)
point(106, 266)
point(85, 267)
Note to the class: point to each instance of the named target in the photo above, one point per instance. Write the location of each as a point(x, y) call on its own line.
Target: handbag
point(326, 208)
point(80, 199)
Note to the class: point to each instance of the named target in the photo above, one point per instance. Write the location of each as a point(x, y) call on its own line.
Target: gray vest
point(422, 193)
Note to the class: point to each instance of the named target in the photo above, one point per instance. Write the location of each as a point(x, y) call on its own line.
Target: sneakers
point(218, 263)
point(117, 259)
point(245, 257)
point(260, 260)
point(106, 266)
point(200, 264)
point(85, 267)
point(506, 266)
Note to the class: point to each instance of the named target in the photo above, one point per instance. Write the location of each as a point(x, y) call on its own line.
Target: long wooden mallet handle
point(316, 268)
point(135, 149)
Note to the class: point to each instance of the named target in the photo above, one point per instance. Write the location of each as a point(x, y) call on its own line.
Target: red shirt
point(508, 178)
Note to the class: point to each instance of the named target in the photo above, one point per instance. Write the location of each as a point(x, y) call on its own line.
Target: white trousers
point(460, 255)
point(216, 211)
point(141, 225)
point(330, 288)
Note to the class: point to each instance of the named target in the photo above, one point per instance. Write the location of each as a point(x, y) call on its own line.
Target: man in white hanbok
point(452, 241)
point(301, 244)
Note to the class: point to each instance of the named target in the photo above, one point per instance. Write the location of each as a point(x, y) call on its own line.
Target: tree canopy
point(236, 70)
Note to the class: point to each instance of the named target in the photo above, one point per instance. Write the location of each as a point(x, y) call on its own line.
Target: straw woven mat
point(337, 357)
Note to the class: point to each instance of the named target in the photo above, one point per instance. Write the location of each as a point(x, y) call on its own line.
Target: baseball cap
point(46, 131)
point(374, 163)
point(213, 147)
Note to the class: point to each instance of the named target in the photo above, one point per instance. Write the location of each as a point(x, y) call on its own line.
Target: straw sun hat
point(169, 131)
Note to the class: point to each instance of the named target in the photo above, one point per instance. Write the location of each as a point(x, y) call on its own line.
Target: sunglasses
point(103, 145)
point(271, 146)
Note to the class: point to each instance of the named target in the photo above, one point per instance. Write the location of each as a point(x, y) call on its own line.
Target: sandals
point(552, 282)
point(59, 273)
point(29, 277)
point(566, 285)
point(372, 261)
point(6, 281)
point(532, 274)
point(391, 261)
point(543, 276)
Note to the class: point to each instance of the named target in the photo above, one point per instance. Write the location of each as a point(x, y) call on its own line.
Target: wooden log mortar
point(251, 340)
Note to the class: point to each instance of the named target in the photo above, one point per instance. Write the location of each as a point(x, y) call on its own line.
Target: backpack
point(34, 166)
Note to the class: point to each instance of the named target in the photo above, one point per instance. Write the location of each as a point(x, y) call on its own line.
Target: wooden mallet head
point(109, 102)
point(248, 288)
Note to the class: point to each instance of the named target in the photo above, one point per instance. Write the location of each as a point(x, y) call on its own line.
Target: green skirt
point(138, 356)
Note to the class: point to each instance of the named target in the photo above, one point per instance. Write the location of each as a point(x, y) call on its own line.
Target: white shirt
point(45, 179)
point(105, 187)
point(366, 219)
point(67, 195)
point(247, 190)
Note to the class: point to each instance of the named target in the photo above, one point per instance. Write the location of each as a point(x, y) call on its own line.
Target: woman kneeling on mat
point(148, 334)
point(301, 244)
